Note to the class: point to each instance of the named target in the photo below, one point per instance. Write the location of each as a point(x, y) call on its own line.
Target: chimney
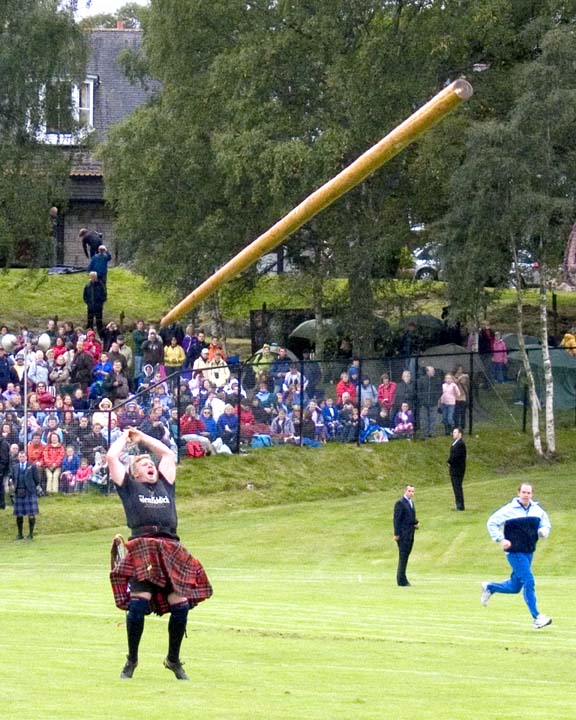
point(120, 25)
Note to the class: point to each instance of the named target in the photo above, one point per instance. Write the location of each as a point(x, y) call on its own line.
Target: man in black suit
point(405, 523)
point(457, 464)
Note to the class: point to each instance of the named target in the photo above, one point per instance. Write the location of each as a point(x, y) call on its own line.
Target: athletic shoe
point(541, 621)
point(176, 668)
point(128, 669)
point(486, 594)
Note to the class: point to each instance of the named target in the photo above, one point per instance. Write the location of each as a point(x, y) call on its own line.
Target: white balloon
point(9, 342)
point(44, 342)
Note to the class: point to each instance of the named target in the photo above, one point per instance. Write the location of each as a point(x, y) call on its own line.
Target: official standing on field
point(457, 463)
point(405, 524)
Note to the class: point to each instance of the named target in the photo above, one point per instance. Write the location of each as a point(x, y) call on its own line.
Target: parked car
point(529, 269)
point(426, 261)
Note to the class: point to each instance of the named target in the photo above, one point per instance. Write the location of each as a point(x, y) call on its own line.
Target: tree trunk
point(534, 402)
point(548, 378)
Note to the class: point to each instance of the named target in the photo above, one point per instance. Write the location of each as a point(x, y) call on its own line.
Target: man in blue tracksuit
point(517, 527)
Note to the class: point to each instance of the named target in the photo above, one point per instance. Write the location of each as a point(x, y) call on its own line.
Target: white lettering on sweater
point(153, 500)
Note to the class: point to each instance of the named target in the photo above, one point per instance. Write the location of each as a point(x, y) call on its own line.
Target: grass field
point(306, 620)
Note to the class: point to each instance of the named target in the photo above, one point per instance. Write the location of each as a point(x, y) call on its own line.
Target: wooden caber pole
point(422, 120)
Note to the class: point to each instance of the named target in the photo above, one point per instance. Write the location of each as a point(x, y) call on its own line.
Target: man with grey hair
point(94, 298)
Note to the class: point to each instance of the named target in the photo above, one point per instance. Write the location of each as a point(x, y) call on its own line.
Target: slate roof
point(114, 96)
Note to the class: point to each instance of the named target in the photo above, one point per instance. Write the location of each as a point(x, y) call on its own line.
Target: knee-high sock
point(20, 524)
point(177, 629)
point(137, 610)
point(31, 524)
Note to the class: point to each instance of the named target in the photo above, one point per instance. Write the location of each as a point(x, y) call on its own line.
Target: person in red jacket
point(345, 386)
point(52, 457)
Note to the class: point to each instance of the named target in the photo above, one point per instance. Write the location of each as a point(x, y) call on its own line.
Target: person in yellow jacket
point(569, 342)
point(174, 357)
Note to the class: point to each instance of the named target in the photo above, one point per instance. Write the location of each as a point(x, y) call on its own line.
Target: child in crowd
point(70, 466)
point(83, 474)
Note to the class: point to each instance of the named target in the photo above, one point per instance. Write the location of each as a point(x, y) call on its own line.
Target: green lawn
point(306, 621)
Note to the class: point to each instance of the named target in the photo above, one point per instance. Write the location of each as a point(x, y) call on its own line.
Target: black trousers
point(405, 544)
point(457, 479)
point(95, 313)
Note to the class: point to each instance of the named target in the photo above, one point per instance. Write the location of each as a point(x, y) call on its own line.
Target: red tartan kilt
point(167, 565)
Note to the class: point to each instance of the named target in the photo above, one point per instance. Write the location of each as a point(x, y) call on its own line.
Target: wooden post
point(402, 136)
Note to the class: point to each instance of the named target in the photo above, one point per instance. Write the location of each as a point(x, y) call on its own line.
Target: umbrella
point(445, 357)
point(511, 340)
point(425, 320)
point(308, 330)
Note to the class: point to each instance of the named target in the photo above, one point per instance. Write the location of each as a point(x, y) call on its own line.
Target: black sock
point(31, 524)
point(20, 525)
point(137, 610)
point(177, 629)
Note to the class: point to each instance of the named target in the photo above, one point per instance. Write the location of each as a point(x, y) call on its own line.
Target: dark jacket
point(429, 390)
point(457, 459)
point(91, 242)
point(95, 294)
point(405, 520)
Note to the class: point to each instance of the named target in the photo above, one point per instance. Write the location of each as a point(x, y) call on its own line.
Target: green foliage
point(39, 45)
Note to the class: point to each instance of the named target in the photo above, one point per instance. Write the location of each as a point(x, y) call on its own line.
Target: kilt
point(26, 506)
point(166, 564)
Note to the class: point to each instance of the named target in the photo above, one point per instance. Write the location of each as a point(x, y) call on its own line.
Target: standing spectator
point(499, 359)
point(463, 381)
point(345, 386)
point(457, 465)
point(25, 496)
point(195, 347)
point(139, 335)
point(485, 342)
point(170, 331)
point(94, 299)
point(174, 356)
point(386, 392)
point(153, 350)
point(216, 345)
point(429, 391)
point(81, 367)
point(517, 526)
point(405, 523)
point(126, 351)
point(450, 394)
point(99, 263)
point(202, 364)
point(52, 461)
point(409, 347)
point(91, 241)
point(4, 469)
point(115, 385)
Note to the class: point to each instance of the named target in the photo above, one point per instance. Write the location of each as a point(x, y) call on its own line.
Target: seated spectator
point(320, 431)
point(210, 426)
point(60, 374)
point(38, 369)
point(228, 427)
point(52, 458)
point(80, 402)
point(45, 397)
point(92, 346)
point(83, 474)
point(83, 431)
point(115, 385)
point(102, 368)
point(69, 427)
point(331, 418)
point(59, 348)
point(154, 425)
point(104, 413)
point(69, 467)
point(218, 371)
point(294, 380)
point(130, 415)
point(11, 391)
point(193, 429)
point(51, 425)
point(282, 426)
point(265, 397)
point(93, 440)
point(216, 347)
point(404, 422)
point(234, 392)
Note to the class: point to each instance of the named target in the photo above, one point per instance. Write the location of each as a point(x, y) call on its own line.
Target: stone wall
point(94, 217)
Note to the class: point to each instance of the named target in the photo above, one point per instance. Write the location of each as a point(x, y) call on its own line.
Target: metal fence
point(245, 405)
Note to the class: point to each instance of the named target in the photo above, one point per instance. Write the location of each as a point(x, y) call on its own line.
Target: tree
point(39, 44)
point(516, 190)
point(130, 15)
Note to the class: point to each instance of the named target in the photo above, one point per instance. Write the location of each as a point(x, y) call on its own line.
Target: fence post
point(359, 401)
point(178, 448)
point(471, 394)
point(239, 407)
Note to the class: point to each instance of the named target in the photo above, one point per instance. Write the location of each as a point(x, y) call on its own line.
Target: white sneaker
point(541, 621)
point(486, 594)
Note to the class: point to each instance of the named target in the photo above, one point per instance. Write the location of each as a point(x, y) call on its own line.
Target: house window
point(69, 111)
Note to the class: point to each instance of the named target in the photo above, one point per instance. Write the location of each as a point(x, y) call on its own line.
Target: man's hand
point(505, 544)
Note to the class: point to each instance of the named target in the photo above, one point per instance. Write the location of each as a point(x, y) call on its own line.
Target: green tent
point(563, 373)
